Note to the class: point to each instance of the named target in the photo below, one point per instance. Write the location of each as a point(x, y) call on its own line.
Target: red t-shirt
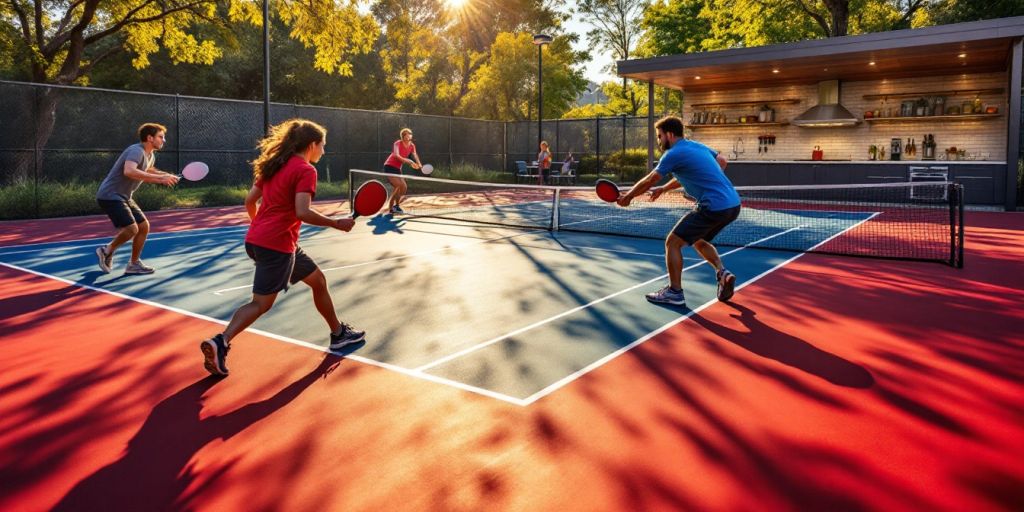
point(276, 227)
point(399, 149)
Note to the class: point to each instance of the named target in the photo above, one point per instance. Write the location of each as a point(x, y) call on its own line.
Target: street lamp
point(540, 40)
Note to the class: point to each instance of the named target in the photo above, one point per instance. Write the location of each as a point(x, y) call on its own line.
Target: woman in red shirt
point(401, 150)
point(284, 189)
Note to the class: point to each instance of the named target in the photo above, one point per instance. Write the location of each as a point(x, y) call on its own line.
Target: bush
point(223, 196)
point(67, 199)
point(470, 172)
point(18, 200)
point(152, 197)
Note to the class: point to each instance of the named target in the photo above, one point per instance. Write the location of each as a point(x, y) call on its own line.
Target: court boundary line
point(365, 360)
point(568, 379)
point(484, 344)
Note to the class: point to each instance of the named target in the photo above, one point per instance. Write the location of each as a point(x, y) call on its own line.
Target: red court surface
point(831, 384)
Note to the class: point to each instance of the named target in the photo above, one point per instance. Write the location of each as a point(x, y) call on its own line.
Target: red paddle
point(607, 190)
point(369, 198)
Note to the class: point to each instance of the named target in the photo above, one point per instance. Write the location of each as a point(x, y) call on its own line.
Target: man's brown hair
point(150, 130)
point(670, 124)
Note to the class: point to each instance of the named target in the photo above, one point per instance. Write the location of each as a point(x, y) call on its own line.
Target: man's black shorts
point(275, 269)
point(122, 213)
point(701, 224)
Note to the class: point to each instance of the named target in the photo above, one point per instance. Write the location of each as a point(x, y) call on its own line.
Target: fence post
point(504, 145)
point(177, 130)
point(35, 148)
point(598, 142)
point(451, 157)
point(558, 135)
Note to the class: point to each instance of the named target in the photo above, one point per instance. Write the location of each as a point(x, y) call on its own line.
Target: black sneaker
point(215, 350)
point(347, 336)
point(397, 209)
point(726, 281)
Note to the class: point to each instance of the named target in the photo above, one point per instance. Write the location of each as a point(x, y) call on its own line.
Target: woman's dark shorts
point(392, 170)
point(275, 269)
point(701, 224)
point(122, 213)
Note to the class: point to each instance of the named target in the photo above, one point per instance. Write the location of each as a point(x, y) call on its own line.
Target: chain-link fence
point(54, 134)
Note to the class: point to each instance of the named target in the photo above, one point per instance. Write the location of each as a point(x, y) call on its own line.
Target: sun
point(456, 5)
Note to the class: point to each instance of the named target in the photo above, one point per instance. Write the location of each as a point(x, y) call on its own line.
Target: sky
point(593, 68)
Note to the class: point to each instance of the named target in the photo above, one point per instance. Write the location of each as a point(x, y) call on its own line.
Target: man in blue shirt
point(699, 170)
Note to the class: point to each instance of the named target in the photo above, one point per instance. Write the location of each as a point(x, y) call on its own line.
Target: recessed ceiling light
point(872, 63)
point(826, 69)
point(775, 71)
point(696, 78)
point(962, 55)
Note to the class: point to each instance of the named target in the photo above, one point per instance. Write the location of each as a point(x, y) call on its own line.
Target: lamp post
point(540, 40)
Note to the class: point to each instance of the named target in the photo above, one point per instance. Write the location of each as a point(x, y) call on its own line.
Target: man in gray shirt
point(134, 166)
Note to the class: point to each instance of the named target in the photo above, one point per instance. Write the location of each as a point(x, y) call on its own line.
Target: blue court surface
point(508, 313)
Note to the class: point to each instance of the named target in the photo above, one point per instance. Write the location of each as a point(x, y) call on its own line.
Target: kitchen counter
point(897, 162)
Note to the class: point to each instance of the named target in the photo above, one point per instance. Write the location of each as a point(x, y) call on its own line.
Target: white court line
point(404, 371)
point(592, 366)
point(404, 256)
point(67, 244)
point(494, 340)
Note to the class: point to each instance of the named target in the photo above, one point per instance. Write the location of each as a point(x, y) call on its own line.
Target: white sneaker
point(138, 268)
point(667, 295)
point(105, 259)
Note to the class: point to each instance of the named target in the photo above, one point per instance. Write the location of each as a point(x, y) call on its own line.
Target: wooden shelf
point(743, 103)
point(932, 93)
point(956, 117)
point(736, 125)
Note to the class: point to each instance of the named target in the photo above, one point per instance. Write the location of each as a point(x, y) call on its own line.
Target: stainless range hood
point(828, 112)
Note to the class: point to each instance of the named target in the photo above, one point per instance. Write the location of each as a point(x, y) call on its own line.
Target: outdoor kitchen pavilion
point(962, 64)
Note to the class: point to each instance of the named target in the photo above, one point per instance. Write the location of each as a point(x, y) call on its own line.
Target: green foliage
point(18, 200)
point(470, 172)
point(505, 86)
point(672, 27)
point(152, 197)
point(223, 196)
point(941, 12)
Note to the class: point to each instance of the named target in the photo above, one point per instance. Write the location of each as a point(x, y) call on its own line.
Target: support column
point(650, 126)
point(1013, 125)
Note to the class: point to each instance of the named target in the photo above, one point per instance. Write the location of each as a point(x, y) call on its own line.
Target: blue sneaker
point(397, 209)
point(215, 351)
point(667, 295)
point(347, 336)
point(726, 282)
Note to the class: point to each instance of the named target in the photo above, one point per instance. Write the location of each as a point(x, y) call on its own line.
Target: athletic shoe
point(105, 260)
point(726, 281)
point(215, 352)
point(397, 209)
point(138, 268)
point(667, 295)
point(347, 336)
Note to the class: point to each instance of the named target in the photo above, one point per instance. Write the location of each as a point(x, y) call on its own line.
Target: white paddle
point(194, 171)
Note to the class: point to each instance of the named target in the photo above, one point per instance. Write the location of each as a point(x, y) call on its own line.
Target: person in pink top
point(401, 150)
point(278, 203)
point(543, 163)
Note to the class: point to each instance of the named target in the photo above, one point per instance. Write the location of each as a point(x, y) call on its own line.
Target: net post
point(554, 211)
point(951, 192)
point(351, 192)
point(960, 208)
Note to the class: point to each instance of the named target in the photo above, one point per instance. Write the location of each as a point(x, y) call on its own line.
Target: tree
point(505, 88)
point(64, 40)
point(432, 51)
point(616, 29)
point(943, 12)
point(671, 27)
point(737, 23)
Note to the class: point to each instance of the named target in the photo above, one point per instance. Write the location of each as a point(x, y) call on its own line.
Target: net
point(911, 221)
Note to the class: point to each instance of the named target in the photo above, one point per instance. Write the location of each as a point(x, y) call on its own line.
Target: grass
point(19, 199)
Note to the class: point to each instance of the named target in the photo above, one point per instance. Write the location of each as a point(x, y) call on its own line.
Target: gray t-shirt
point(118, 187)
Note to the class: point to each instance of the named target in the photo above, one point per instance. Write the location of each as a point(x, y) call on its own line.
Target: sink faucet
point(737, 148)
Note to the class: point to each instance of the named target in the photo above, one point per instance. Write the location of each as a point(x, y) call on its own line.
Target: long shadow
point(766, 341)
point(386, 224)
point(17, 305)
point(154, 470)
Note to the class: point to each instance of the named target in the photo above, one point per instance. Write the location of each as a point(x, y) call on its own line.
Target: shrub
point(67, 199)
point(223, 196)
point(18, 200)
point(152, 197)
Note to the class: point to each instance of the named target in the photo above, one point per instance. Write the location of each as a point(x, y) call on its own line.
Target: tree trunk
point(840, 11)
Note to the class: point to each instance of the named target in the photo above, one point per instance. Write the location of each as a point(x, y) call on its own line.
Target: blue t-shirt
point(694, 166)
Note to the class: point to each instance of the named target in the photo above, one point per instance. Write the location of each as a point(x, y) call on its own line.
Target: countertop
point(882, 162)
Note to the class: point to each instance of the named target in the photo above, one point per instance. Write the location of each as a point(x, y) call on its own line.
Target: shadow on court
point(154, 471)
